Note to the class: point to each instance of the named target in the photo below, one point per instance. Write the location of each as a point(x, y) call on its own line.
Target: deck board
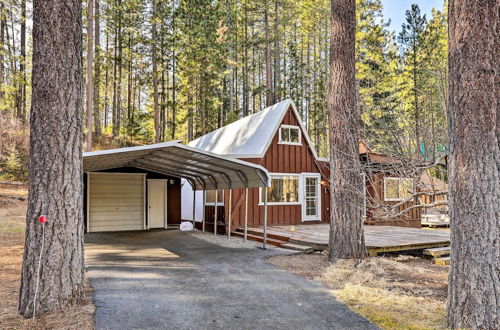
point(377, 238)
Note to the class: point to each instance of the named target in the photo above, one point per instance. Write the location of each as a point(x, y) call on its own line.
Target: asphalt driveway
point(171, 280)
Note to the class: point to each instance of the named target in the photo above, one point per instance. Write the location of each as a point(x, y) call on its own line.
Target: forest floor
point(393, 292)
point(12, 222)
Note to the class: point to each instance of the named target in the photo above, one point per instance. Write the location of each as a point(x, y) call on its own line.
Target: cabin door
point(157, 201)
point(311, 205)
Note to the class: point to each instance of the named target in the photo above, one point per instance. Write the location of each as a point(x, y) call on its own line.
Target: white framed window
point(397, 189)
point(285, 189)
point(289, 134)
point(210, 198)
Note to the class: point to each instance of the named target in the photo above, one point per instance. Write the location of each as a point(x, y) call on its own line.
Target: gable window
point(289, 135)
point(210, 197)
point(397, 189)
point(284, 189)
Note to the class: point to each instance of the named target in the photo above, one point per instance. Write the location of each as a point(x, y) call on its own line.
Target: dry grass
point(12, 214)
point(400, 292)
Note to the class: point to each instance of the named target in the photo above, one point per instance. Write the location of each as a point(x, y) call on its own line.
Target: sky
point(395, 10)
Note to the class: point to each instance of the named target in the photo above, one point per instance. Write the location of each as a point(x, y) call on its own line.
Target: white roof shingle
point(250, 136)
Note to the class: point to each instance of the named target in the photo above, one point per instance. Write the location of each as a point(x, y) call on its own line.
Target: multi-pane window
point(311, 190)
point(284, 189)
point(397, 189)
point(289, 134)
point(210, 197)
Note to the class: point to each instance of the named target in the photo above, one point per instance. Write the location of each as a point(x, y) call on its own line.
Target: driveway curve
point(172, 280)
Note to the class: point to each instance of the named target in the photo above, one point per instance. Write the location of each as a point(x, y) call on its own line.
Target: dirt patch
point(392, 292)
point(75, 317)
point(12, 223)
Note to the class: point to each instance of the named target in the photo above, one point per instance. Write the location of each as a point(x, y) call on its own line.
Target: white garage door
point(116, 202)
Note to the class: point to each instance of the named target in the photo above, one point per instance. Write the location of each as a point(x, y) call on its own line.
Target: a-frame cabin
point(276, 139)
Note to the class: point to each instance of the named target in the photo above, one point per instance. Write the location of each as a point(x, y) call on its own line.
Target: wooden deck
point(377, 238)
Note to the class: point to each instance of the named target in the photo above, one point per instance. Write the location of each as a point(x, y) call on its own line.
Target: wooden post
point(215, 215)
point(246, 214)
point(194, 208)
point(203, 220)
point(230, 209)
point(264, 245)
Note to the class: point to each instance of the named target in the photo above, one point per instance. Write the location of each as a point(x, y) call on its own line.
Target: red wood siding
point(279, 158)
point(375, 190)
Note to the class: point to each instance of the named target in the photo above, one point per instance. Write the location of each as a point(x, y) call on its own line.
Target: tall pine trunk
point(97, 69)
point(21, 90)
point(346, 229)
point(473, 117)
point(55, 160)
point(155, 75)
point(269, 91)
point(90, 74)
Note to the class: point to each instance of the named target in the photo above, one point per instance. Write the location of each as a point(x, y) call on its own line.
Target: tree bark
point(2, 47)
point(474, 162)
point(97, 70)
point(155, 76)
point(269, 92)
point(90, 74)
point(55, 160)
point(346, 229)
point(21, 90)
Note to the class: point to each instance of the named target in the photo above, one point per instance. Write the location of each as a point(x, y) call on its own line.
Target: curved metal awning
point(203, 170)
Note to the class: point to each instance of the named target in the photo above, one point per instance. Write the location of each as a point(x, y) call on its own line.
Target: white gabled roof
point(203, 170)
point(250, 136)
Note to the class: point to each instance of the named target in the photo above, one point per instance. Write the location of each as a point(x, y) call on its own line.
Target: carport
point(129, 188)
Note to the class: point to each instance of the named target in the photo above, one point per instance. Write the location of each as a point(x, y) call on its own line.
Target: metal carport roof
point(203, 170)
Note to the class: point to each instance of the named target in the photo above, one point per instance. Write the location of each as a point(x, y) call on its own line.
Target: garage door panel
point(118, 195)
point(115, 228)
point(104, 223)
point(137, 208)
point(116, 202)
point(111, 216)
point(116, 178)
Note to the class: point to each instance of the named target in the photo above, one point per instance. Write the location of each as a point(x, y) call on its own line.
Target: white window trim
point(280, 140)
point(385, 188)
point(218, 203)
point(299, 202)
point(320, 210)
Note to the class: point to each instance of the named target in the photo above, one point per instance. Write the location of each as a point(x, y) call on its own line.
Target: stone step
point(254, 232)
point(297, 247)
point(442, 261)
point(256, 238)
point(438, 252)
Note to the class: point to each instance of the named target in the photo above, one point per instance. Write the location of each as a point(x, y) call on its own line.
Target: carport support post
point(204, 199)
point(230, 208)
point(264, 245)
point(194, 208)
point(246, 214)
point(215, 215)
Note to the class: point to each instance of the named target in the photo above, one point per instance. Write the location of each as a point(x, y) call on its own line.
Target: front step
point(298, 247)
point(270, 241)
point(438, 252)
point(254, 232)
point(444, 261)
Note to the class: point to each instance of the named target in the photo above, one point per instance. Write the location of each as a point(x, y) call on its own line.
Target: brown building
point(276, 139)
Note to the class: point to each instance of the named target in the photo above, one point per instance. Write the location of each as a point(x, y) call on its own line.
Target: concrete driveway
point(171, 280)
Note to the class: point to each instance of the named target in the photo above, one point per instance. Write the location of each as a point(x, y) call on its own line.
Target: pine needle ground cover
point(12, 214)
point(399, 292)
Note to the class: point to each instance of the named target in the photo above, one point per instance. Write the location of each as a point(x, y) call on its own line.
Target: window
point(289, 135)
point(284, 190)
point(397, 189)
point(210, 197)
